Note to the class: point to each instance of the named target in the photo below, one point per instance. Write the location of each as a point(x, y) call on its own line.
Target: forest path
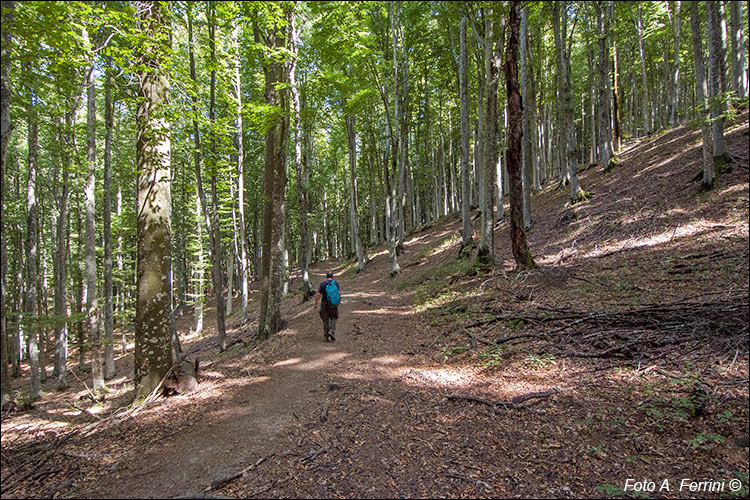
point(257, 412)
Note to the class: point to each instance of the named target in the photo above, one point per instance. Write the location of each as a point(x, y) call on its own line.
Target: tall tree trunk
point(605, 142)
point(6, 128)
point(515, 135)
point(92, 302)
point(467, 232)
point(109, 353)
point(676, 34)
point(216, 253)
point(647, 122)
point(60, 261)
point(486, 250)
point(199, 272)
point(739, 62)
point(153, 357)
point(353, 209)
point(244, 271)
point(299, 166)
point(32, 249)
point(616, 99)
point(715, 71)
point(701, 89)
point(274, 182)
point(526, 142)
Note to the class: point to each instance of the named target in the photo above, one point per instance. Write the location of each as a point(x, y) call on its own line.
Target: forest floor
point(624, 355)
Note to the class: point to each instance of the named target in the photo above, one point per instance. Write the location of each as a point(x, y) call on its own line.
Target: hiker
point(329, 306)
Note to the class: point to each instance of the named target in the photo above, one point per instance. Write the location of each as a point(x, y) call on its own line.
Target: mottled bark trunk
point(676, 35)
point(216, 252)
point(526, 142)
point(701, 90)
point(244, 271)
point(486, 250)
point(645, 101)
point(515, 135)
point(6, 128)
point(739, 61)
point(274, 181)
point(92, 296)
point(605, 144)
point(299, 166)
point(153, 357)
point(466, 232)
point(109, 353)
point(716, 73)
point(32, 250)
point(61, 273)
point(353, 209)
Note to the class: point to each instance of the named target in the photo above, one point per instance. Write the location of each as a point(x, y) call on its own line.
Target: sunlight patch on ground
point(382, 311)
point(286, 362)
point(321, 361)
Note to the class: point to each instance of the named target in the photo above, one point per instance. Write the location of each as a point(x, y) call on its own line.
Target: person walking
point(329, 298)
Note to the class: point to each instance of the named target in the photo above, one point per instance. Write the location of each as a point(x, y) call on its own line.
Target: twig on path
point(84, 410)
point(84, 384)
point(216, 484)
point(313, 455)
point(513, 402)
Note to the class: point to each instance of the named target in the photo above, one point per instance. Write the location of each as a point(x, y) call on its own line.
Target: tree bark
point(109, 353)
point(605, 141)
point(32, 248)
point(521, 251)
point(739, 62)
point(647, 120)
point(299, 166)
point(274, 182)
point(676, 34)
point(715, 71)
point(701, 89)
point(6, 127)
point(244, 272)
point(486, 250)
point(467, 232)
point(216, 253)
point(526, 142)
point(152, 357)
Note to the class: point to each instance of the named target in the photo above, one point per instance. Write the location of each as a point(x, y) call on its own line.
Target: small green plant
point(492, 356)
point(706, 442)
point(744, 478)
point(454, 351)
point(726, 416)
point(609, 490)
point(537, 363)
point(598, 450)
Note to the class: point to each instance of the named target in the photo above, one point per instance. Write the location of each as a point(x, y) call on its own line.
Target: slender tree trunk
point(61, 273)
point(199, 272)
point(467, 232)
point(244, 274)
point(676, 32)
point(32, 249)
point(739, 62)
point(526, 142)
point(515, 135)
point(605, 142)
point(92, 303)
point(299, 166)
point(701, 89)
point(616, 99)
point(353, 209)
point(216, 253)
point(6, 128)
point(109, 353)
point(486, 250)
point(153, 353)
point(647, 123)
point(715, 71)
point(274, 182)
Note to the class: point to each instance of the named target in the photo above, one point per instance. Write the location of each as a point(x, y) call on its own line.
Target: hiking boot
point(333, 339)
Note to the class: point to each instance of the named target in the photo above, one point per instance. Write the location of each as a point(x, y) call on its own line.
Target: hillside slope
point(624, 355)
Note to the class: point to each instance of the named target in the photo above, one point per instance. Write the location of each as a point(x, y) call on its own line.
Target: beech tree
point(152, 321)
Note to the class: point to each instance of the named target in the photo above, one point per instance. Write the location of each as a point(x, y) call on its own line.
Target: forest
point(537, 213)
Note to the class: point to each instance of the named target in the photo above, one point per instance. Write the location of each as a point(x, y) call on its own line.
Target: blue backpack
point(332, 293)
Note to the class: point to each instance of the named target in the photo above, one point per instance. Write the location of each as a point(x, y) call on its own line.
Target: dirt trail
point(259, 413)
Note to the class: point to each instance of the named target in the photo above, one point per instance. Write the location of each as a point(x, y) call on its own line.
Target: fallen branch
point(313, 455)
point(324, 413)
point(513, 402)
point(220, 482)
